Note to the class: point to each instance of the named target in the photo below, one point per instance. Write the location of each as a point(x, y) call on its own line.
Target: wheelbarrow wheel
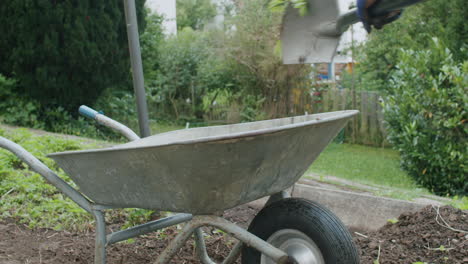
point(305, 230)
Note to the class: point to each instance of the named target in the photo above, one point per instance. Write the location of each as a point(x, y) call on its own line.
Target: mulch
point(432, 235)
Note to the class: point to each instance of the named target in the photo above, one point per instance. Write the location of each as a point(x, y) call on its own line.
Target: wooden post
point(373, 125)
point(363, 133)
point(336, 100)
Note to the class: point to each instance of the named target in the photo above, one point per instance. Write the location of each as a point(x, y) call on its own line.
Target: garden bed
point(422, 237)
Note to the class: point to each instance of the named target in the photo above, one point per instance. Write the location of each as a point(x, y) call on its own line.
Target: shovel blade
point(302, 37)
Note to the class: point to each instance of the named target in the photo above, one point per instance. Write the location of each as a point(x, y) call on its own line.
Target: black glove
point(376, 21)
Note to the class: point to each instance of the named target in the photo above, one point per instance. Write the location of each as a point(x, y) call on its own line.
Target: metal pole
point(137, 66)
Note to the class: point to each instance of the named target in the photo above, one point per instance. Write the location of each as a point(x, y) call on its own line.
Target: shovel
point(314, 37)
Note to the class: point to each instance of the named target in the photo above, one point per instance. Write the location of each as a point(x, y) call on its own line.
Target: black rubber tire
point(315, 221)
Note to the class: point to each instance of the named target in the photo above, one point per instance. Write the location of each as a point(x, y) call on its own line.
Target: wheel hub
point(297, 245)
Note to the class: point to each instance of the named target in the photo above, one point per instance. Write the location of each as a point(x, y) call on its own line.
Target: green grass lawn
point(162, 127)
point(368, 165)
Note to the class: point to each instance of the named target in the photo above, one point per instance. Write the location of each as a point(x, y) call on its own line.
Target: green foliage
point(184, 75)
point(378, 57)
point(65, 53)
point(29, 199)
point(136, 216)
point(16, 109)
point(194, 14)
point(427, 116)
point(281, 5)
point(26, 196)
point(175, 88)
point(19, 110)
point(427, 89)
point(460, 202)
point(195, 69)
point(150, 40)
point(253, 51)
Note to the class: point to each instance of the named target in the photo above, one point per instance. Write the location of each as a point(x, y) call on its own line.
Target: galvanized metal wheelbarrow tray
point(199, 171)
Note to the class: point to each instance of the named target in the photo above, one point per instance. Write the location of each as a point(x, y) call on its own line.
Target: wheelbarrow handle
point(88, 112)
point(39, 167)
point(108, 122)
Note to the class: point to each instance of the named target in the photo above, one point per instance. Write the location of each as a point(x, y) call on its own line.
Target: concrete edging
point(358, 211)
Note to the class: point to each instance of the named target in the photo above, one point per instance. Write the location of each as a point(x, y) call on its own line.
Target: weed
point(26, 196)
point(29, 199)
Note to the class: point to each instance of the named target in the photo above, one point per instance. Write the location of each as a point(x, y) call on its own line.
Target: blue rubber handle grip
point(88, 112)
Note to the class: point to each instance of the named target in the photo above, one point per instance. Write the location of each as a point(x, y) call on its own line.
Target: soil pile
point(432, 235)
point(19, 244)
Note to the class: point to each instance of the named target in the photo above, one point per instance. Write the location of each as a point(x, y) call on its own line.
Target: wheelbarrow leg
point(278, 196)
point(201, 247)
point(234, 254)
point(242, 235)
point(176, 244)
point(203, 255)
point(100, 242)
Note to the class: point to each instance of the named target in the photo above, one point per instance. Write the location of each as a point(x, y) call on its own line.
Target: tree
point(195, 13)
point(65, 53)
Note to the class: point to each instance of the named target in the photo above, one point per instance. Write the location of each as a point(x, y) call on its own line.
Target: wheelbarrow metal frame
point(193, 223)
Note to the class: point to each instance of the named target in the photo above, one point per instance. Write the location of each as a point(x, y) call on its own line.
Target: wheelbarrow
point(200, 172)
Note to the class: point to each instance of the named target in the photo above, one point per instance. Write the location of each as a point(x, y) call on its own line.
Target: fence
point(368, 127)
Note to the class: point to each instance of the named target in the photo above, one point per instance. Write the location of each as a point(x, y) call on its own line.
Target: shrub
point(19, 110)
point(427, 115)
point(65, 53)
point(16, 109)
point(174, 89)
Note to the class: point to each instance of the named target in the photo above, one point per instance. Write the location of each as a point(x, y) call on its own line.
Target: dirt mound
point(432, 235)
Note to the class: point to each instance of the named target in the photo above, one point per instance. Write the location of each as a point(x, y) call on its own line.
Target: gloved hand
point(378, 22)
